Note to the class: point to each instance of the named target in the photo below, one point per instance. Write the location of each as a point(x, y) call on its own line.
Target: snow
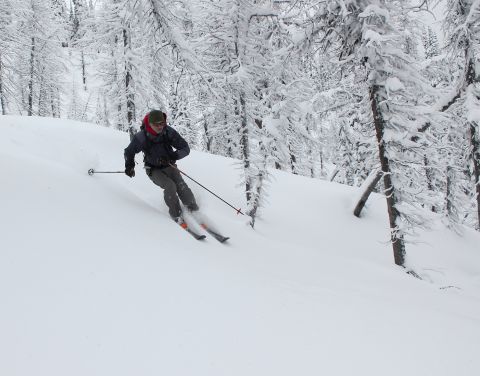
point(296, 34)
point(95, 279)
point(373, 10)
point(393, 84)
point(274, 125)
point(472, 105)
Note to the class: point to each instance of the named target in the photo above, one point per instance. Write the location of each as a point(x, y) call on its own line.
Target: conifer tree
point(462, 22)
point(430, 43)
point(38, 57)
point(367, 32)
point(5, 59)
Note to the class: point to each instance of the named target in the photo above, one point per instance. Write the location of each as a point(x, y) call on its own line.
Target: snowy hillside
point(95, 279)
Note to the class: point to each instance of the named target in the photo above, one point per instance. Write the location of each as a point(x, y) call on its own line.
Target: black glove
point(130, 171)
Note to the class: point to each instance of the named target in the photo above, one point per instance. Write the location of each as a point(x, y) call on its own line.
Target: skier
point(157, 141)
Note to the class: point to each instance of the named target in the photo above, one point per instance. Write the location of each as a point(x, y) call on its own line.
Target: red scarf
point(148, 128)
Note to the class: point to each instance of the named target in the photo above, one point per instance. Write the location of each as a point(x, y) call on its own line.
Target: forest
point(365, 93)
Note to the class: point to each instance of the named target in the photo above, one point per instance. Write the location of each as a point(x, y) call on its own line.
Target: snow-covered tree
point(142, 57)
point(235, 49)
point(462, 25)
point(38, 56)
point(430, 43)
point(370, 33)
point(5, 58)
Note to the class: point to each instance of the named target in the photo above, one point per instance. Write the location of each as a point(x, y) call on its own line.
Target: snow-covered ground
point(95, 279)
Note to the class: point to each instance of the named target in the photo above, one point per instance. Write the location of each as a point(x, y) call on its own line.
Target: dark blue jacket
point(156, 148)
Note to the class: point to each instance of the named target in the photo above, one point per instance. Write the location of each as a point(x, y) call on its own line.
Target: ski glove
point(130, 171)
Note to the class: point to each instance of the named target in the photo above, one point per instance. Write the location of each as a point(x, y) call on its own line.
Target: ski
point(202, 222)
point(216, 235)
point(184, 225)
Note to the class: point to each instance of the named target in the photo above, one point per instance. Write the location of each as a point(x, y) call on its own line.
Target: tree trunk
point(322, 169)
point(256, 202)
point(398, 242)
point(429, 175)
point(41, 98)
point(369, 189)
point(58, 102)
point(449, 193)
point(54, 103)
point(128, 80)
point(259, 188)
point(2, 94)
point(335, 173)
point(229, 148)
point(258, 192)
point(475, 143)
point(293, 160)
point(244, 143)
point(471, 79)
point(30, 83)
point(120, 124)
point(84, 73)
point(208, 138)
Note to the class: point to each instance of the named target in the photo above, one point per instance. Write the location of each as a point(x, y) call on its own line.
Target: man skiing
point(157, 141)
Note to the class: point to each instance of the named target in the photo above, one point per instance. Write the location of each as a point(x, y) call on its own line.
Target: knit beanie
point(155, 117)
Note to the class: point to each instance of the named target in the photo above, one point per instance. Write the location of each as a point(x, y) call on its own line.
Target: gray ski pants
point(172, 183)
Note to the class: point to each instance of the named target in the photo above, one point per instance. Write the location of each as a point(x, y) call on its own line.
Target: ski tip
point(223, 240)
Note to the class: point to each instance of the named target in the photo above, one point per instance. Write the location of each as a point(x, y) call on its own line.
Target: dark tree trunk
point(30, 83)
point(398, 242)
point(471, 78)
point(53, 103)
point(208, 138)
point(278, 166)
point(84, 73)
point(369, 189)
point(429, 176)
point(244, 143)
point(76, 20)
point(229, 151)
point(41, 99)
point(448, 194)
point(293, 160)
point(119, 115)
point(474, 142)
point(335, 173)
point(2, 94)
point(321, 163)
point(128, 81)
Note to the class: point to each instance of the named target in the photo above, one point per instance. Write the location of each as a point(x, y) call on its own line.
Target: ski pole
point(92, 171)
point(239, 211)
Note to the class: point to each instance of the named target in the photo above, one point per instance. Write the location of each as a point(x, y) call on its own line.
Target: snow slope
point(95, 279)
